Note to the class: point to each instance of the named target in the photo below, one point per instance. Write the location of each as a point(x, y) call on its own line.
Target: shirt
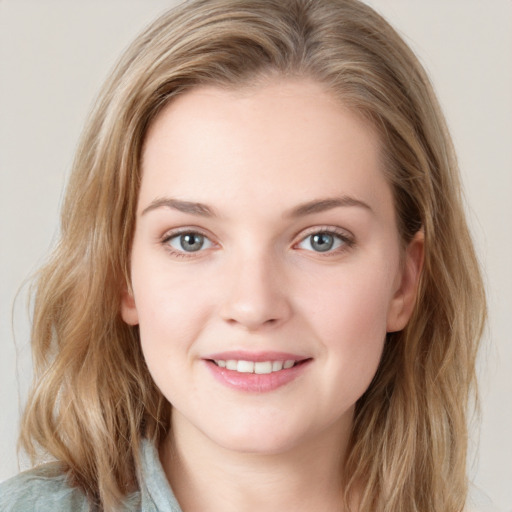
point(45, 489)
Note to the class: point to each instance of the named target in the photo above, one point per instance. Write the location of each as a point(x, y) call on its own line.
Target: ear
point(403, 301)
point(128, 307)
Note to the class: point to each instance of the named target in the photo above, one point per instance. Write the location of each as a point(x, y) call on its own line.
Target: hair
point(94, 399)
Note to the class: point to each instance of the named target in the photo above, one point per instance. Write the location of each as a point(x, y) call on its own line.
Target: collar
point(156, 493)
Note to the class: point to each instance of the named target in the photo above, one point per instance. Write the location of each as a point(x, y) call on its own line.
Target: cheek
point(171, 312)
point(353, 303)
point(167, 325)
point(168, 298)
point(349, 315)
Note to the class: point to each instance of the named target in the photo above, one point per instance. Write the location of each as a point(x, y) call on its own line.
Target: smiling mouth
point(257, 373)
point(257, 367)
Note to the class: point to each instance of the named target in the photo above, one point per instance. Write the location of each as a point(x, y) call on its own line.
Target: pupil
point(192, 242)
point(322, 242)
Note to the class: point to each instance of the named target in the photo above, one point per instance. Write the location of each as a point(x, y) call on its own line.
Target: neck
point(207, 477)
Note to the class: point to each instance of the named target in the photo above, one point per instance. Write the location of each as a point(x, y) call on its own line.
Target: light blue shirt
point(45, 489)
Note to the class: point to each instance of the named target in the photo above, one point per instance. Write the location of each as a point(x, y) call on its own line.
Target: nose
point(255, 294)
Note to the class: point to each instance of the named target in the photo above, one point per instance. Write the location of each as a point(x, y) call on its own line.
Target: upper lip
point(243, 355)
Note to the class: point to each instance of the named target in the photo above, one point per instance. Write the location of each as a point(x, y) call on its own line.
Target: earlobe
point(402, 304)
point(128, 308)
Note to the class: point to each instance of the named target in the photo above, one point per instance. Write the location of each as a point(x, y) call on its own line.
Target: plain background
point(54, 56)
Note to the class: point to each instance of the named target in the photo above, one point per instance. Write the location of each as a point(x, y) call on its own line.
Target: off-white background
point(54, 55)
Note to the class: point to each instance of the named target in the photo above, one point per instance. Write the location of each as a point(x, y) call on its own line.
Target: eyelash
point(347, 241)
point(174, 234)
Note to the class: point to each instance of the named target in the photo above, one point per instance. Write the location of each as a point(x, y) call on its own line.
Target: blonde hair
point(93, 398)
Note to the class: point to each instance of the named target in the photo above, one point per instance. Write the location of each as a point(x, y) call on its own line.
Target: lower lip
point(257, 383)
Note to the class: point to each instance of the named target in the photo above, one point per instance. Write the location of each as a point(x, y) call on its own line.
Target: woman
point(265, 278)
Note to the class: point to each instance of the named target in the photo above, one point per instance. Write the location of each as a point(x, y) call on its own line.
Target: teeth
point(277, 365)
point(245, 367)
point(263, 367)
point(260, 367)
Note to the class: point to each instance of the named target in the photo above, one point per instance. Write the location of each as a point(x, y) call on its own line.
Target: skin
point(260, 284)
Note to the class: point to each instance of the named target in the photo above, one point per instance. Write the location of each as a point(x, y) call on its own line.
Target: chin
point(267, 439)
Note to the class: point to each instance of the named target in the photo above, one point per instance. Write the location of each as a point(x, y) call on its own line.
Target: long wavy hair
point(93, 398)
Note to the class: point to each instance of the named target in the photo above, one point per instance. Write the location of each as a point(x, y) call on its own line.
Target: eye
point(188, 242)
point(325, 241)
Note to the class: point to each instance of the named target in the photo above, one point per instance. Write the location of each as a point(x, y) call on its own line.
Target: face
point(266, 264)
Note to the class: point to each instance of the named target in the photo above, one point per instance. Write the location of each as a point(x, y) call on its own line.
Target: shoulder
point(42, 489)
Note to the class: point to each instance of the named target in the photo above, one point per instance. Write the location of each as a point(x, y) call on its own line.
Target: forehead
point(287, 140)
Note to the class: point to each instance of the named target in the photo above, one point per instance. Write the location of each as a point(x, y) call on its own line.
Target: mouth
point(257, 367)
point(262, 372)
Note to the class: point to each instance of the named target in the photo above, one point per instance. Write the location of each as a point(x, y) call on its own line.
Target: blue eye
point(189, 242)
point(323, 241)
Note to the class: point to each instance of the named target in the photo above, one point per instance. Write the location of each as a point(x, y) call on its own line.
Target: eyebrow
point(308, 208)
point(322, 205)
point(193, 208)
